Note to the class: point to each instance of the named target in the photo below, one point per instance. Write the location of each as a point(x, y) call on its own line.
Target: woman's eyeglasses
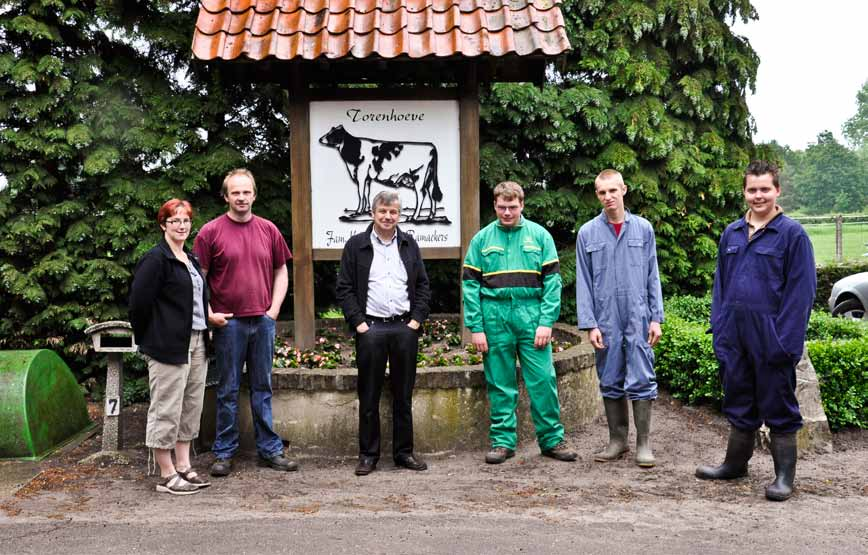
point(178, 221)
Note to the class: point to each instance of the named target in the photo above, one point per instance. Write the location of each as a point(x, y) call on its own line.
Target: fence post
point(839, 238)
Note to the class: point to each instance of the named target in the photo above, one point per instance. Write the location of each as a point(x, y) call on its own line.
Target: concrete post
point(112, 429)
point(839, 238)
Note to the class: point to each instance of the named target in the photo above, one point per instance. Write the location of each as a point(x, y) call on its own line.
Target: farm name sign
point(359, 148)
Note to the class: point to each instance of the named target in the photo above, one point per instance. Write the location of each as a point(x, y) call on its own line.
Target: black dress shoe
point(410, 461)
point(366, 466)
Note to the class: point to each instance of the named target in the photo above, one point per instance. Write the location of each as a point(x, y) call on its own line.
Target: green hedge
point(685, 362)
point(696, 310)
point(687, 367)
point(823, 327)
point(842, 368)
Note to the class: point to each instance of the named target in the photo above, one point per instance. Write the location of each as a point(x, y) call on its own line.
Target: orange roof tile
point(330, 29)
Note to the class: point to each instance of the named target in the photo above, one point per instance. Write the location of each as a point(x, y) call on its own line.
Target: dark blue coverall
point(763, 292)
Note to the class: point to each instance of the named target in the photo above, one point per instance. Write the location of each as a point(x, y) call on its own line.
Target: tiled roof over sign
point(331, 29)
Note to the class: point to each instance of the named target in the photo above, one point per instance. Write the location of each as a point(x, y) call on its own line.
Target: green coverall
point(512, 285)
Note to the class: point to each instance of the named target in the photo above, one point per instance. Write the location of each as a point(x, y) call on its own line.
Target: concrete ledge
point(316, 410)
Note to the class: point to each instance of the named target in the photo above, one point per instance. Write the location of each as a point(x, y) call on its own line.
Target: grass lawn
point(823, 239)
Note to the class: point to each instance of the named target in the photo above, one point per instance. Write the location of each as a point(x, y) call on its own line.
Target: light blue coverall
point(618, 291)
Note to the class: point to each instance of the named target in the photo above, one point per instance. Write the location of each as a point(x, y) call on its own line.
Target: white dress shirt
point(387, 281)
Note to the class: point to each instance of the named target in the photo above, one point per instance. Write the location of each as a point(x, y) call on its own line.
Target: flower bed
point(439, 345)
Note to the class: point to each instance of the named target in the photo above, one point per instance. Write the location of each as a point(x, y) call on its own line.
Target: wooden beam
point(302, 240)
point(468, 118)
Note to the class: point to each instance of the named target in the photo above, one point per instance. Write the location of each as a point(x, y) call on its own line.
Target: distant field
point(823, 240)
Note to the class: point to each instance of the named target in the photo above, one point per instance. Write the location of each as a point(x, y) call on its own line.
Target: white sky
point(813, 61)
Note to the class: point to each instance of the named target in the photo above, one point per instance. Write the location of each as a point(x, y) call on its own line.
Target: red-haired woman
point(168, 311)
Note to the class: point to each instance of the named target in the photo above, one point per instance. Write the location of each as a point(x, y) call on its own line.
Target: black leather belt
point(399, 318)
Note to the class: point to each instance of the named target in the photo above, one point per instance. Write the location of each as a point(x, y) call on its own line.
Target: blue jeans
point(250, 340)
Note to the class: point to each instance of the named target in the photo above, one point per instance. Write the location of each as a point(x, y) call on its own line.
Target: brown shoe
point(561, 452)
point(499, 455)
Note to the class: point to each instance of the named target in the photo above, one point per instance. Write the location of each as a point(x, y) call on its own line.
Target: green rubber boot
point(642, 419)
point(618, 419)
point(784, 453)
point(739, 450)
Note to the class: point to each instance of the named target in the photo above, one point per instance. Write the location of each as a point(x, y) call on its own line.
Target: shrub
point(838, 348)
point(688, 307)
point(842, 369)
point(824, 326)
point(685, 362)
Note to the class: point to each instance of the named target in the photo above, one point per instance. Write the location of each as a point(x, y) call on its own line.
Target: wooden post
point(302, 241)
point(839, 238)
point(468, 119)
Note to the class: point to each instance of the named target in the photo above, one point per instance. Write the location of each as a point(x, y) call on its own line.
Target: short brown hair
point(170, 207)
point(761, 167)
point(224, 190)
point(509, 190)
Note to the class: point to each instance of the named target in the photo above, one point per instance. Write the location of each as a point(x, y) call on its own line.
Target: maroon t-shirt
point(617, 228)
point(240, 259)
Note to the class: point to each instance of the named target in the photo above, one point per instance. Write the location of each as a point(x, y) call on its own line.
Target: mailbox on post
point(114, 338)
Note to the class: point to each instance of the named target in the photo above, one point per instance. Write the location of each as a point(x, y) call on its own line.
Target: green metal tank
point(41, 405)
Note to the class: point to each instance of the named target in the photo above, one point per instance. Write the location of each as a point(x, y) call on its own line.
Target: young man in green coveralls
point(512, 298)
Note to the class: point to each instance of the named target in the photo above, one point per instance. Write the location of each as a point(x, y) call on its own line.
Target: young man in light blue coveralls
point(620, 303)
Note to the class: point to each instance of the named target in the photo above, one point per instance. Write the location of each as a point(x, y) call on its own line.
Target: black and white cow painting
point(397, 164)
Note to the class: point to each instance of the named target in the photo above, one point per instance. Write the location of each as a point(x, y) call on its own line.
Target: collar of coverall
point(519, 224)
point(605, 218)
point(745, 221)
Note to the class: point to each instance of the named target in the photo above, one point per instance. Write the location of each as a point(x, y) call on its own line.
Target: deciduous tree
point(832, 178)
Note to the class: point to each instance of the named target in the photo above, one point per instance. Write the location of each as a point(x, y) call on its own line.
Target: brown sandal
point(176, 485)
point(193, 478)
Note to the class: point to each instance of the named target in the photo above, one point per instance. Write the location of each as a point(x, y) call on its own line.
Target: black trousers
point(396, 343)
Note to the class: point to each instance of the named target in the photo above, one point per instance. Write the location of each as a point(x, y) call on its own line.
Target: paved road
point(531, 504)
point(670, 528)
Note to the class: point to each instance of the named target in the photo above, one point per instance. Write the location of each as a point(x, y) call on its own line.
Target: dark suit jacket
point(352, 286)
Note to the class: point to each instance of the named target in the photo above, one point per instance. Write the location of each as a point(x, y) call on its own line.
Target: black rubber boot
point(739, 450)
point(619, 421)
point(784, 453)
point(642, 419)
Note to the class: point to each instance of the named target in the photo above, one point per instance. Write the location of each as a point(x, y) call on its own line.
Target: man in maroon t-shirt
point(244, 260)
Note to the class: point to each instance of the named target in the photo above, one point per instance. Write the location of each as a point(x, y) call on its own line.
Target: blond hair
point(509, 190)
point(608, 174)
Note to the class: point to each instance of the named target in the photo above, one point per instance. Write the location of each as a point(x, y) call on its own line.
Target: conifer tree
point(102, 119)
point(655, 90)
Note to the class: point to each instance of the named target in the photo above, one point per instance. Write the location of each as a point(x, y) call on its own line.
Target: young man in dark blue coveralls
point(764, 287)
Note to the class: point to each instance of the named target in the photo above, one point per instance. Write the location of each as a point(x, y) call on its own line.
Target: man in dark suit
point(383, 291)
